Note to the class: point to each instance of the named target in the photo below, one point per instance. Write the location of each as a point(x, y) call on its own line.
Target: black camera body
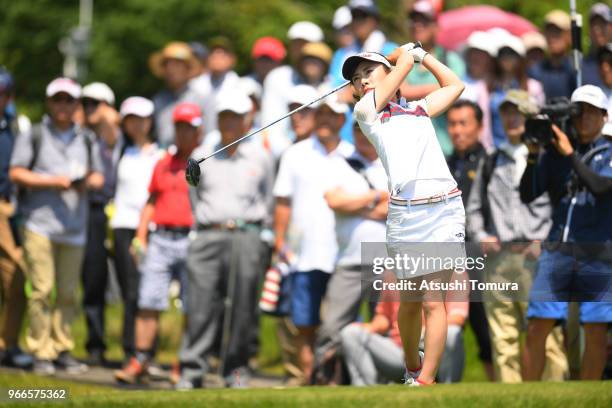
point(538, 128)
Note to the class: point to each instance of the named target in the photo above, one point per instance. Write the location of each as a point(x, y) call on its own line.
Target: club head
point(192, 172)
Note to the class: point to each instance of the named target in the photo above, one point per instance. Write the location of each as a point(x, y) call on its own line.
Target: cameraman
point(579, 181)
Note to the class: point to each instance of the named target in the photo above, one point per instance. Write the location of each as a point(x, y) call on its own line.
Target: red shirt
point(168, 184)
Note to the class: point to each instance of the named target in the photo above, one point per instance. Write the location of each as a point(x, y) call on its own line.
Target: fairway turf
point(568, 394)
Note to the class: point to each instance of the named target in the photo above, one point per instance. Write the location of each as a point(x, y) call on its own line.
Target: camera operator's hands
point(561, 142)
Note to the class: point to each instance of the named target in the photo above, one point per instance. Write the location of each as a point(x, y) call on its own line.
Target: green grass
point(482, 395)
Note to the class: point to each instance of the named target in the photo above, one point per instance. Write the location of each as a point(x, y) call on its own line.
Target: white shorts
point(419, 230)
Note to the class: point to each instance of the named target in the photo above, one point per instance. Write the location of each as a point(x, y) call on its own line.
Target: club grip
point(398, 51)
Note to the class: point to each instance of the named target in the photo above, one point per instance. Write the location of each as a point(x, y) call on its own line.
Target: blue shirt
point(591, 219)
point(7, 141)
point(557, 80)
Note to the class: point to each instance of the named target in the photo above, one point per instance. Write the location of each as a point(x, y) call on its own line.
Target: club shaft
point(336, 89)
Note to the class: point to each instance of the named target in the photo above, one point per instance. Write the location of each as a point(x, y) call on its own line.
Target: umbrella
point(457, 25)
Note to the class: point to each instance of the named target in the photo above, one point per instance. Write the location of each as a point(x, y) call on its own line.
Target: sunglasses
point(62, 98)
point(89, 103)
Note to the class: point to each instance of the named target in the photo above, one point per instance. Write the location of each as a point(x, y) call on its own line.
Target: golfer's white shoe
point(409, 374)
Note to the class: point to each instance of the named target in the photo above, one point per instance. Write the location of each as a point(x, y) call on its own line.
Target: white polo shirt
point(304, 169)
point(406, 142)
point(352, 230)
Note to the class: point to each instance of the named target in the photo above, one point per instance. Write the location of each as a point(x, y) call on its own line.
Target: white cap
point(234, 101)
point(304, 94)
point(607, 129)
point(342, 18)
point(66, 85)
point(534, 39)
point(100, 92)
point(480, 40)
point(137, 106)
point(305, 30)
point(335, 105)
point(591, 94)
point(512, 42)
point(350, 64)
point(250, 87)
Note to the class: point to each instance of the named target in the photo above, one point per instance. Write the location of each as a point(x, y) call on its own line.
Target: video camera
point(538, 128)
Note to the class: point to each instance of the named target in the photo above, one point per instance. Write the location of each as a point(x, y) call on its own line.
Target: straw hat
point(175, 50)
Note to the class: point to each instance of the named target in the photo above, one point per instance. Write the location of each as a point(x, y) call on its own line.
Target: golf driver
point(192, 173)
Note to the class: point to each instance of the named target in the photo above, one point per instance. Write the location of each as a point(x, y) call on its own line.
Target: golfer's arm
point(282, 214)
point(343, 202)
point(388, 87)
point(451, 86)
point(415, 92)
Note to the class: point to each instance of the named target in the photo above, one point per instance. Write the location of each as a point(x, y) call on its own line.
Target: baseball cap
point(317, 50)
point(174, 50)
point(303, 94)
point(335, 105)
point(424, 8)
point(305, 30)
point(367, 6)
point(513, 42)
point(525, 103)
point(534, 39)
point(221, 42)
point(591, 94)
point(66, 85)
point(187, 112)
point(558, 18)
point(342, 18)
point(480, 40)
point(269, 47)
point(137, 106)
point(6, 80)
point(234, 101)
point(600, 10)
point(99, 91)
point(351, 63)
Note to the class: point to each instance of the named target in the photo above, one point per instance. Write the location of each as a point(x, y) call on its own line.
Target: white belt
point(429, 200)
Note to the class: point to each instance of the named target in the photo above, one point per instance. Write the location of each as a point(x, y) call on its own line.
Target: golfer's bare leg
point(409, 324)
point(435, 339)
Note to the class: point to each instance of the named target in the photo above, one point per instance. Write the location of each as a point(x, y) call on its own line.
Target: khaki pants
point(508, 318)
point(287, 337)
point(49, 265)
point(11, 281)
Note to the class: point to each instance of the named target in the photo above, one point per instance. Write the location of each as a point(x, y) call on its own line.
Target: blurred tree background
point(125, 32)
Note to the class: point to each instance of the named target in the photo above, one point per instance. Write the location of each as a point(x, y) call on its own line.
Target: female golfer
point(425, 205)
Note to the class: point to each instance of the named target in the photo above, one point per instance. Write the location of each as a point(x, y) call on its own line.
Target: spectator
point(365, 18)
point(200, 51)
point(314, 64)
point(579, 181)
point(303, 122)
point(100, 117)
point(357, 192)
point(496, 195)
point(556, 73)
point(267, 53)
point(220, 76)
point(11, 259)
point(231, 204)
point(55, 163)
point(176, 64)
point(164, 250)
point(252, 89)
point(480, 53)
point(464, 121)
point(600, 34)
point(301, 205)
point(134, 172)
point(604, 60)
point(511, 73)
point(341, 23)
point(420, 82)
point(280, 81)
point(535, 46)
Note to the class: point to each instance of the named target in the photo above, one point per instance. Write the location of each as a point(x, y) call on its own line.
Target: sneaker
point(16, 358)
point(132, 373)
point(185, 384)
point(175, 373)
point(65, 361)
point(239, 378)
point(414, 374)
point(415, 382)
point(44, 367)
point(155, 372)
point(96, 358)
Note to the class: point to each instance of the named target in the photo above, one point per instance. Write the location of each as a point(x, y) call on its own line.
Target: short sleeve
point(154, 183)
point(283, 187)
point(22, 151)
point(365, 109)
